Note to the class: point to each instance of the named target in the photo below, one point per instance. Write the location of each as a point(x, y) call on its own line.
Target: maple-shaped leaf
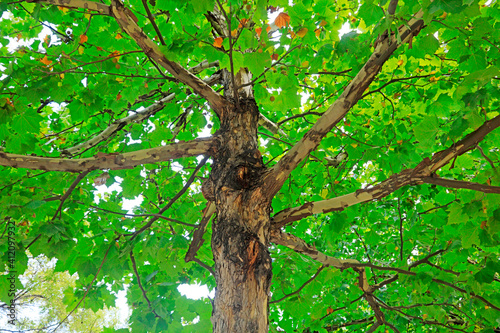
point(27, 122)
point(218, 42)
point(83, 39)
point(282, 20)
point(258, 31)
point(46, 61)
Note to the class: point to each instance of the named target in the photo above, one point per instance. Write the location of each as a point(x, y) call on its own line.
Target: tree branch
point(300, 246)
point(134, 267)
point(461, 184)
point(301, 287)
point(352, 93)
point(112, 161)
point(128, 22)
point(142, 215)
point(197, 241)
point(68, 192)
point(82, 4)
point(121, 123)
point(173, 200)
point(152, 20)
point(89, 286)
point(406, 177)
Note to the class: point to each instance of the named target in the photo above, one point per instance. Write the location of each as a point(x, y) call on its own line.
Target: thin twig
point(202, 264)
point(486, 157)
point(173, 200)
point(152, 20)
point(301, 287)
point(143, 215)
point(89, 286)
point(134, 267)
point(228, 21)
point(400, 229)
point(68, 192)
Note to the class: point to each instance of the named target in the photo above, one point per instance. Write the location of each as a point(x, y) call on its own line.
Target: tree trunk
point(240, 235)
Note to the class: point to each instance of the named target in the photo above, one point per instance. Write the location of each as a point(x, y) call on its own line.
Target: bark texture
point(240, 235)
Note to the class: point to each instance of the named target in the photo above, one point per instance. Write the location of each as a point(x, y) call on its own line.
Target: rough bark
point(240, 237)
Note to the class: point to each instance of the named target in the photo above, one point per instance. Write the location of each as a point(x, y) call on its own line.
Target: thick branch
point(270, 126)
point(353, 92)
point(128, 22)
point(300, 246)
point(138, 116)
point(461, 184)
point(83, 4)
point(416, 175)
point(113, 161)
point(197, 241)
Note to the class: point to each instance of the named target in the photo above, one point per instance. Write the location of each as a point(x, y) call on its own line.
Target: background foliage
point(63, 88)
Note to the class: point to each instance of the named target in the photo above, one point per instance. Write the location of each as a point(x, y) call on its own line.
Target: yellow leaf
point(45, 61)
point(305, 63)
point(400, 62)
point(324, 193)
point(302, 32)
point(80, 49)
point(323, 23)
point(81, 191)
point(87, 16)
point(119, 36)
point(354, 145)
point(218, 42)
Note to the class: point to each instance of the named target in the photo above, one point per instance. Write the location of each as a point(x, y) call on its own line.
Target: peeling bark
point(112, 161)
point(418, 175)
point(352, 93)
point(90, 5)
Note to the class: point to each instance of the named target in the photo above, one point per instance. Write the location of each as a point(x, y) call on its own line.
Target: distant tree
point(351, 181)
point(42, 301)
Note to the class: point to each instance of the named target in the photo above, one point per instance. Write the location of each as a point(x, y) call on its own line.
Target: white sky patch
point(195, 291)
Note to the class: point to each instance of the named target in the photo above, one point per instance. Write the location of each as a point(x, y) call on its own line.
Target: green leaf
point(426, 131)
point(449, 6)
point(27, 122)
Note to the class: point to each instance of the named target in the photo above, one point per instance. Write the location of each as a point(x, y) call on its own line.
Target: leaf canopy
point(77, 83)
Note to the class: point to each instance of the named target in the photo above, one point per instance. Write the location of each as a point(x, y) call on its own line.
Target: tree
point(40, 302)
point(350, 181)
